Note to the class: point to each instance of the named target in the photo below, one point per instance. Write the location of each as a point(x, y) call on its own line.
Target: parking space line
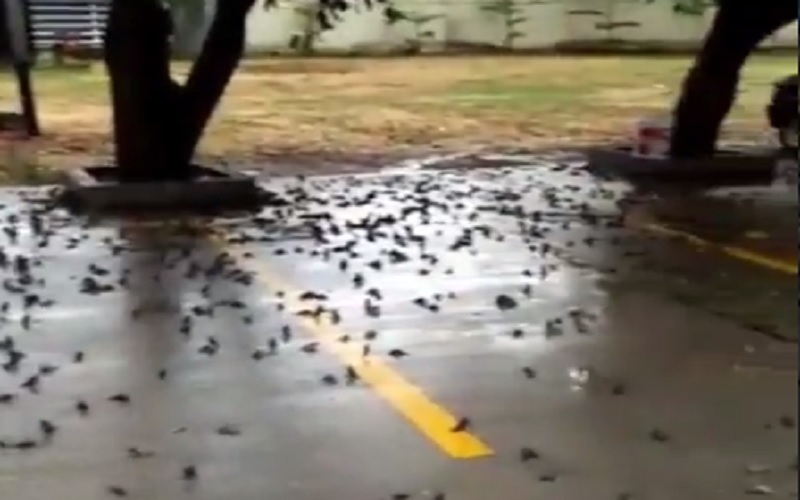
point(749, 256)
point(427, 416)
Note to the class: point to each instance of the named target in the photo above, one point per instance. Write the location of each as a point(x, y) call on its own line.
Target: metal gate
point(83, 21)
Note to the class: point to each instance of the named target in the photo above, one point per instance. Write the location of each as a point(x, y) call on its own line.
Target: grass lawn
point(322, 106)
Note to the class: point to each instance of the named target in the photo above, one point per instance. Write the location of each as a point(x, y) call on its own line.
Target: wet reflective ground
point(501, 334)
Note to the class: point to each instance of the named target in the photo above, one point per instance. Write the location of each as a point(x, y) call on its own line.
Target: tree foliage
point(329, 12)
point(689, 7)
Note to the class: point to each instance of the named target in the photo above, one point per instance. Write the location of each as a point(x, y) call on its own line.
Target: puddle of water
point(580, 377)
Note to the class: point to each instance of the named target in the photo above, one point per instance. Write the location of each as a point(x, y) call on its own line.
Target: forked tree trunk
point(157, 122)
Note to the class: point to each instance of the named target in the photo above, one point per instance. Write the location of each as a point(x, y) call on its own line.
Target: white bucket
point(652, 138)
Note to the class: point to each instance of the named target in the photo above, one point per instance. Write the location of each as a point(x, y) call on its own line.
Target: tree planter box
point(98, 189)
point(728, 167)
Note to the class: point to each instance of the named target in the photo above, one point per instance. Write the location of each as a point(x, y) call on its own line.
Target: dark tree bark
point(157, 122)
point(212, 72)
point(709, 89)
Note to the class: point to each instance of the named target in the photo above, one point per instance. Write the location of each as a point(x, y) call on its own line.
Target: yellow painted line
point(430, 418)
point(755, 258)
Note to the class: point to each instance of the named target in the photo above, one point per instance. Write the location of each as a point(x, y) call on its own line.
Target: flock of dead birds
point(336, 241)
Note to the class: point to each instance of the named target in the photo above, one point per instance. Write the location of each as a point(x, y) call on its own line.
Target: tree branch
point(212, 72)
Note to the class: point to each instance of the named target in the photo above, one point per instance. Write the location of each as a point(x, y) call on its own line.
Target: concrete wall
point(464, 22)
point(358, 29)
point(192, 20)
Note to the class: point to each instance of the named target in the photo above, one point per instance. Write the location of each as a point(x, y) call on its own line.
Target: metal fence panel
point(83, 20)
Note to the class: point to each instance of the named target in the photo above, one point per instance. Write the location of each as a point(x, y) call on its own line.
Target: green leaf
point(501, 7)
point(690, 7)
point(394, 16)
point(585, 12)
point(616, 25)
point(494, 9)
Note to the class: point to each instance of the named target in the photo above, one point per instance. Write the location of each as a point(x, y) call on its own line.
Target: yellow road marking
point(430, 418)
point(773, 263)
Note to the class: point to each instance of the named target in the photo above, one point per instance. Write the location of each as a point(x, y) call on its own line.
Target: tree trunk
point(157, 122)
point(143, 96)
point(211, 73)
point(709, 89)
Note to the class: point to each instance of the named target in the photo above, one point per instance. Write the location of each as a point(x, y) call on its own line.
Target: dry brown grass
point(383, 104)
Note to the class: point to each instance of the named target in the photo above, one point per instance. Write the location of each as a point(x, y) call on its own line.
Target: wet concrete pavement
point(526, 339)
point(761, 220)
